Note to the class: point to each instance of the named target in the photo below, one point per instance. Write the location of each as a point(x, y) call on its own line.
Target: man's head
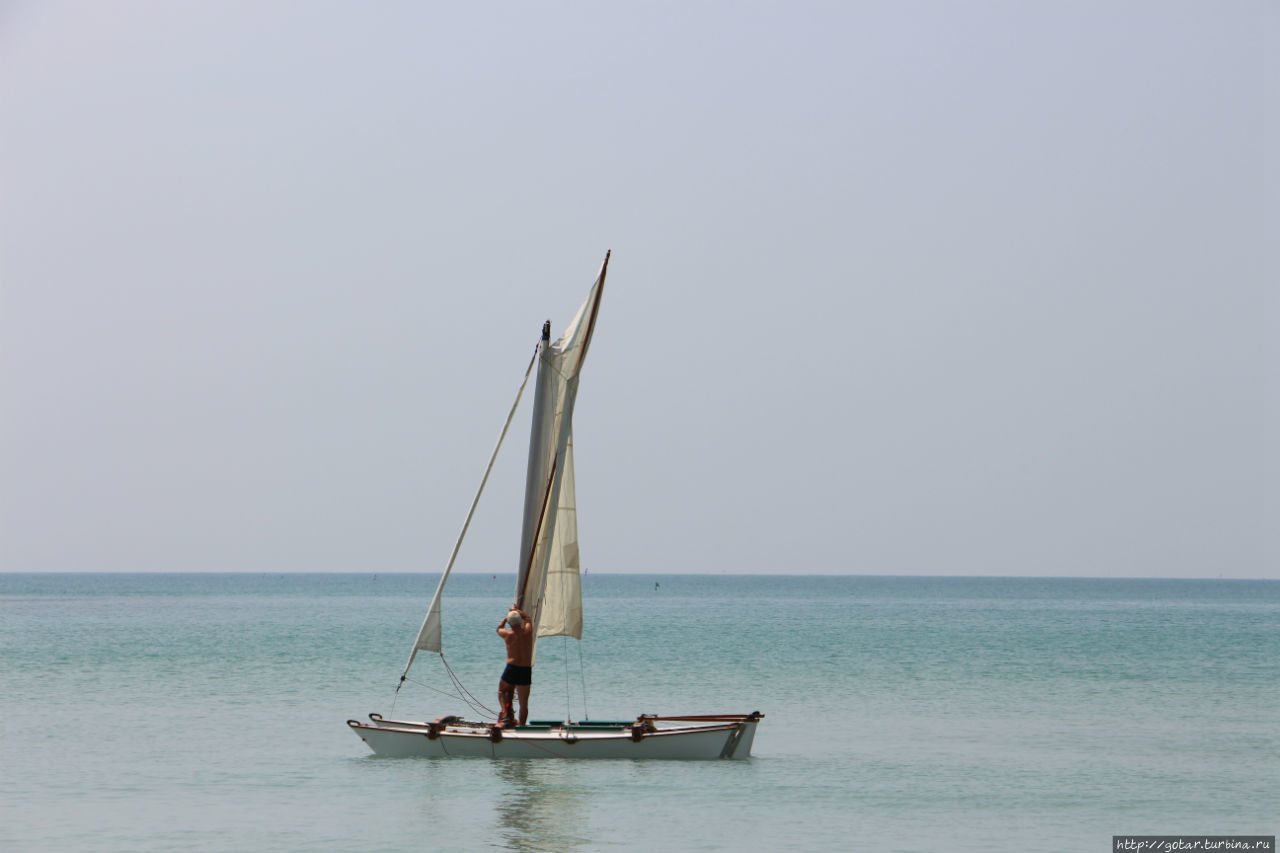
point(514, 619)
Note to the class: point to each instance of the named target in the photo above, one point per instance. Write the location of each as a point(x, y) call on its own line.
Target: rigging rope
point(460, 692)
point(582, 670)
point(568, 711)
point(453, 695)
point(474, 703)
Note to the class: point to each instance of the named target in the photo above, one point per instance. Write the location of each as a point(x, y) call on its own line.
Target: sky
point(930, 288)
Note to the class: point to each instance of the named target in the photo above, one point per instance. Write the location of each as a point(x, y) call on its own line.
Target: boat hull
point(728, 737)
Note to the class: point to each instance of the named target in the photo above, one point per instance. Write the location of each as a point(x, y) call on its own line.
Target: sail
point(547, 585)
point(548, 545)
point(562, 601)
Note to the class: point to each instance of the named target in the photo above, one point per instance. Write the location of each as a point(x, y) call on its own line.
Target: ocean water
point(207, 713)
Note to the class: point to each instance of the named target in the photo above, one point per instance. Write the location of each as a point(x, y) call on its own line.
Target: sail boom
point(430, 637)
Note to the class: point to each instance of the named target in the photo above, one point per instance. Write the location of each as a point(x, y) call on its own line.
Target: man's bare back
point(519, 641)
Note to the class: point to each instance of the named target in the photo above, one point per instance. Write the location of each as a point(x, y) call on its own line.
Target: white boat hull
point(690, 738)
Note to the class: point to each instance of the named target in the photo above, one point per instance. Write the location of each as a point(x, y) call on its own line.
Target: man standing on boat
point(516, 630)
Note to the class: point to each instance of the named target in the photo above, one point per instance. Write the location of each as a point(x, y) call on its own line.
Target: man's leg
point(522, 690)
point(506, 699)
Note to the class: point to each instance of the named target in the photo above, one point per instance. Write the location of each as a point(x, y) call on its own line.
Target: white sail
point(544, 543)
point(554, 527)
point(562, 601)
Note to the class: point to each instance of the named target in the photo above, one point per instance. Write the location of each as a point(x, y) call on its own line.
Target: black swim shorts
point(517, 675)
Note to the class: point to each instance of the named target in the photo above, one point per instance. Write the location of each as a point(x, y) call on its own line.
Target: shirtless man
point(516, 631)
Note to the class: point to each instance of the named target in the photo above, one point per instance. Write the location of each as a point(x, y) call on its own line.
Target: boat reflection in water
point(541, 806)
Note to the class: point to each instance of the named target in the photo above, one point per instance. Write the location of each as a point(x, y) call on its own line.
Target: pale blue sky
point(897, 287)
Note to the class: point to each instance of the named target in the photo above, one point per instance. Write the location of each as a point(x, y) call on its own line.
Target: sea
point(207, 712)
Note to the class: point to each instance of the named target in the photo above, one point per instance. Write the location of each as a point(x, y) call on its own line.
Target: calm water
point(206, 712)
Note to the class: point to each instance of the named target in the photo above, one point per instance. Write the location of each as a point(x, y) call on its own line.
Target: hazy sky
point(897, 287)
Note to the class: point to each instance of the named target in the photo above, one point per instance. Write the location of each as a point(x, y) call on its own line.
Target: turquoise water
point(206, 712)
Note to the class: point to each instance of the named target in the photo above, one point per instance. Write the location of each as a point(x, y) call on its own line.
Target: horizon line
point(337, 573)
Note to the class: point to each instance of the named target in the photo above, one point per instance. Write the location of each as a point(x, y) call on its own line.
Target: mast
point(538, 479)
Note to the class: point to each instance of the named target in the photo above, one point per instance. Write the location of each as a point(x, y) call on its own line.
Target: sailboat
point(549, 589)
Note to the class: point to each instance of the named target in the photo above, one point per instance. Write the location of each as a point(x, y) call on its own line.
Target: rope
point(474, 703)
point(544, 749)
point(460, 692)
point(435, 689)
point(583, 672)
point(568, 712)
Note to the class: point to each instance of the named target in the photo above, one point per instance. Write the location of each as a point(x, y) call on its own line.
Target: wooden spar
point(528, 568)
point(535, 477)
